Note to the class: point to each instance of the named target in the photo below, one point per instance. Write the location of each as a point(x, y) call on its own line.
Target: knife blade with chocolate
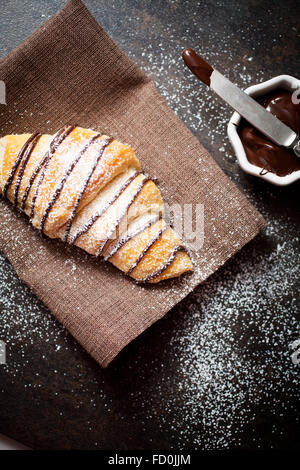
point(246, 106)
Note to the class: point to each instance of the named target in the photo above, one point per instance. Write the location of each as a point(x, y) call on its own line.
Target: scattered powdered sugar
point(234, 345)
point(24, 320)
point(231, 352)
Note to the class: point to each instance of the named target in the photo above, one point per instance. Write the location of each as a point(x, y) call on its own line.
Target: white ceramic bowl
point(282, 81)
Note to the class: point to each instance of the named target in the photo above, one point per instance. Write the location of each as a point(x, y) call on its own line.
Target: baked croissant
point(88, 190)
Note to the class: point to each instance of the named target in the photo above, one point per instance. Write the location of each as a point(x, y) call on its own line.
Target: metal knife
point(246, 106)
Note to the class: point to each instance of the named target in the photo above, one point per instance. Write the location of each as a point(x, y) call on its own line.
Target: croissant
point(88, 190)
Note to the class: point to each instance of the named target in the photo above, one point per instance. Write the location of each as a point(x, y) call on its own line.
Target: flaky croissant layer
point(88, 190)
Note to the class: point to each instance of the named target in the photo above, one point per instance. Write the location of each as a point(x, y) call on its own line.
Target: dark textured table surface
point(217, 371)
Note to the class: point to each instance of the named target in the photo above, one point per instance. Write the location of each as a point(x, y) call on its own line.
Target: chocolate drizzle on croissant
point(164, 265)
point(147, 248)
point(115, 247)
point(134, 196)
point(64, 179)
point(105, 143)
point(30, 144)
point(97, 197)
point(17, 163)
point(96, 216)
point(61, 135)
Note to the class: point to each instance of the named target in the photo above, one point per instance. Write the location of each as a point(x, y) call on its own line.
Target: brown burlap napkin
point(69, 70)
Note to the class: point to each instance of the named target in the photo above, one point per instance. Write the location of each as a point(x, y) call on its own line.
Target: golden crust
point(130, 252)
point(92, 190)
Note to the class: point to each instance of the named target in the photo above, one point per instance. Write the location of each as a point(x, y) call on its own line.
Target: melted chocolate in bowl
point(261, 151)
